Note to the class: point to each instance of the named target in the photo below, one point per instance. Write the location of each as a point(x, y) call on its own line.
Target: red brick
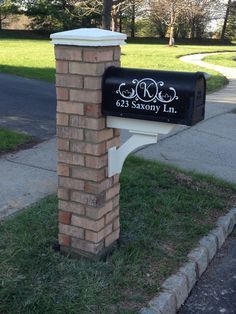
point(85, 223)
point(97, 187)
point(64, 239)
point(70, 158)
point(97, 213)
point(75, 208)
point(98, 136)
point(68, 53)
point(93, 110)
point(63, 144)
point(70, 133)
point(62, 119)
point(71, 231)
point(98, 54)
point(83, 68)
point(72, 184)
point(88, 148)
point(62, 66)
point(117, 53)
point(113, 63)
point(93, 82)
point(85, 95)
point(70, 107)
point(111, 238)
point(116, 200)
point(114, 142)
point(96, 162)
point(88, 199)
point(111, 215)
point(83, 173)
point(116, 178)
point(98, 236)
point(86, 245)
point(63, 170)
point(112, 192)
point(116, 223)
point(88, 123)
point(116, 132)
point(62, 93)
point(63, 194)
point(64, 217)
point(68, 80)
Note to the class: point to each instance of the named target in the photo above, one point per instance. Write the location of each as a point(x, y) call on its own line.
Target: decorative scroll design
point(147, 90)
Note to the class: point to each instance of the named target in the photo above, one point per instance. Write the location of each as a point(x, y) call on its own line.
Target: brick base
point(83, 255)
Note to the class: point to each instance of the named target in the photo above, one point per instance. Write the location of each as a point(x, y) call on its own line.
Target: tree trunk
point(171, 40)
point(106, 14)
point(120, 25)
point(172, 21)
point(112, 23)
point(0, 22)
point(192, 31)
point(133, 21)
point(225, 20)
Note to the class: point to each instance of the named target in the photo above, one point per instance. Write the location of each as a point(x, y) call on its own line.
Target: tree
point(7, 7)
point(106, 14)
point(115, 10)
point(230, 31)
point(200, 13)
point(168, 12)
point(54, 15)
point(226, 19)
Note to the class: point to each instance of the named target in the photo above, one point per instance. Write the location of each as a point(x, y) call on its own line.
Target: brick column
point(88, 199)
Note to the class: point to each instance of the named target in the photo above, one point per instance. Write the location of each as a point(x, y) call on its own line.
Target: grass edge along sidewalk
point(222, 59)
point(164, 213)
point(12, 140)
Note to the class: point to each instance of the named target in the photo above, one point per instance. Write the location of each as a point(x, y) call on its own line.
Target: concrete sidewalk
point(27, 176)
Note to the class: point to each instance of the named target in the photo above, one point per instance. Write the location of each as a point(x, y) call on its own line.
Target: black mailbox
point(165, 96)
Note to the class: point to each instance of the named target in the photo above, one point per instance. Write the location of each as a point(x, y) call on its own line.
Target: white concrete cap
point(88, 37)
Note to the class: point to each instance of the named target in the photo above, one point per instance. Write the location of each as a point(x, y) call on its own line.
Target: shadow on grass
point(180, 41)
point(44, 74)
point(23, 34)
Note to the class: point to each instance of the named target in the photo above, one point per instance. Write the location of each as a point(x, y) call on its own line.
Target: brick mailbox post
point(88, 198)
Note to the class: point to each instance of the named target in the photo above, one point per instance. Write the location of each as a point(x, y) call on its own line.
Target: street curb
point(176, 288)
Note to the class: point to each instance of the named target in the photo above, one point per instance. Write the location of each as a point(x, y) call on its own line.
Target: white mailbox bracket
point(144, 133)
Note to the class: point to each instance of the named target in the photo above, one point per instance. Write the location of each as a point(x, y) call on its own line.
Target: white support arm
point(116, 157)
point(145, 132)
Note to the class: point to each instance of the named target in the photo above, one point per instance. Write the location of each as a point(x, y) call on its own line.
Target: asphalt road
point(215, 292)
point(27, 105)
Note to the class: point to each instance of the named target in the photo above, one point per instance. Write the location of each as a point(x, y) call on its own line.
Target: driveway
point(28, 105)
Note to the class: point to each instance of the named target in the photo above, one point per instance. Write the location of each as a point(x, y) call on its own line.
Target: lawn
point(226, 59)
point(161, 220)
point(11, 140)
point(34, 58)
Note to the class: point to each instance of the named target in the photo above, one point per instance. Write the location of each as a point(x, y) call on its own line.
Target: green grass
point(164, 212)
point(11, 140)
point(226, 59)
point(34, 58)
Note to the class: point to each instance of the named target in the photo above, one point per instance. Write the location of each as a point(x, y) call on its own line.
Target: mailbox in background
point(165, 96)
